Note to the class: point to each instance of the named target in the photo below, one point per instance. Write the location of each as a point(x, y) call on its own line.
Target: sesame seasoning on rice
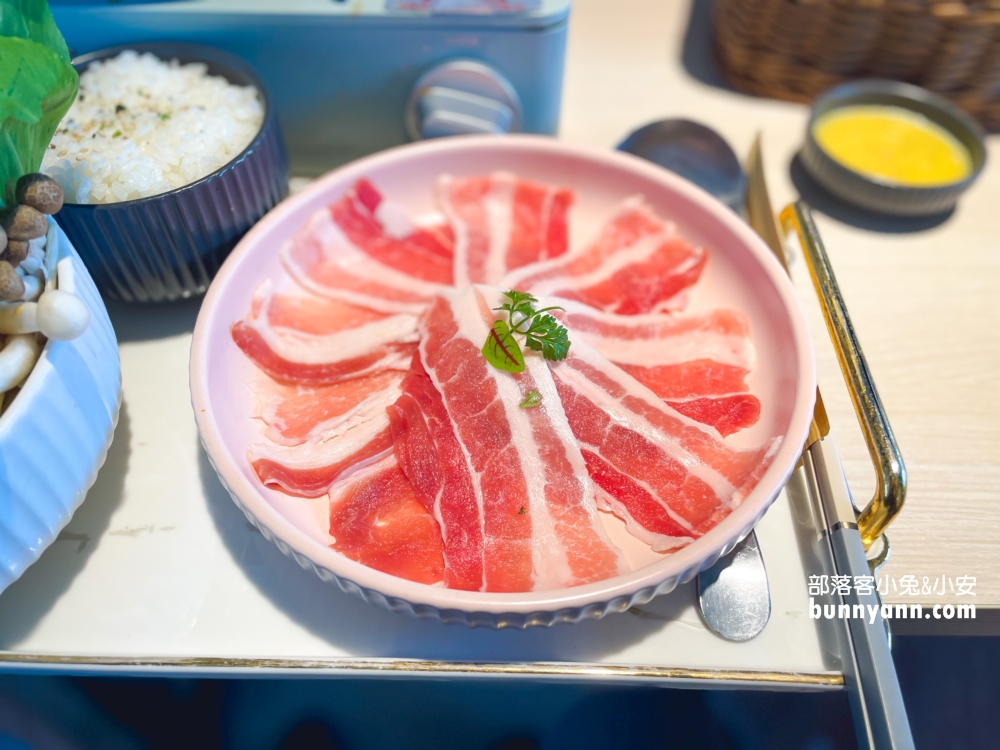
point(141, 126)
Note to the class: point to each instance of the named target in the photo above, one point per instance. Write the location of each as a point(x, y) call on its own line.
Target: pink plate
point(741, 273)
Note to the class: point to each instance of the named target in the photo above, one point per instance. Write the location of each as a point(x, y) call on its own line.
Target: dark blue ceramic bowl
point(169, 246)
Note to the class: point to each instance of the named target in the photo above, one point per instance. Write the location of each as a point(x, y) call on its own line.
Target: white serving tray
point(159, 573)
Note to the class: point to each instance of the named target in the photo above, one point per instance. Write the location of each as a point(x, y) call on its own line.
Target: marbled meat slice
point(296, 414)
point(297, 355)
point(430, 454)
point(637, 264)
point(376, 258)
point(697, 364)
point(501, 222)
point(310, 469)
point(310, 313)
point(539, 516)
point(727, 414)
point(376, 520)
point(383, 230)
point(669, 478)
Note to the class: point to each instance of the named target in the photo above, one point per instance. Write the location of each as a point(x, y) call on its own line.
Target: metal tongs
point(845, 534)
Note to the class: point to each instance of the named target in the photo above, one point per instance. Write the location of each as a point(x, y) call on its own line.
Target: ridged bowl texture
point(169, 246)
point(55, 435)
point(878, 195)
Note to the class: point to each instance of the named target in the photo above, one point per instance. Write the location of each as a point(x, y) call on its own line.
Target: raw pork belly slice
point(425, 444)
point(382, 229)
point(727, 414)
point(721, 335)
point(670, 479)
point(500, 222)
point(309, 313)
point(537, 506)
point(374, 257)
point(376, 520)
point(296, 414)
point(373, 389)
point(293, 355)
point(310, 469)
point(638, 264)
point(697, 364)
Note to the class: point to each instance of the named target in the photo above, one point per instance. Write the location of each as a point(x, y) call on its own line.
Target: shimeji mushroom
point(23, 223)
point(56, 315)
point(17, 358)
point(39, 191)
point(11, 283)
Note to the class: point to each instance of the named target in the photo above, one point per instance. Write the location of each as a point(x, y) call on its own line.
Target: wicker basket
point(795, 49)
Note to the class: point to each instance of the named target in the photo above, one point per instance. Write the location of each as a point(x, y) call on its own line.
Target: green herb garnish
point(501, 349)
point(164, 116)
point(531, 398)
point(542, 333)
point(37, 86)
point(116, 134)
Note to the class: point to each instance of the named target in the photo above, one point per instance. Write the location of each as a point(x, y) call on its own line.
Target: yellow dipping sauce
point(893, 144)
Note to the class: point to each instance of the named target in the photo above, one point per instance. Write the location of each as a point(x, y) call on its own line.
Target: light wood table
point(923, 298)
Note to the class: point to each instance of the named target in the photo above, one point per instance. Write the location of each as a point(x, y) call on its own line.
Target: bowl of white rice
point(169, 154)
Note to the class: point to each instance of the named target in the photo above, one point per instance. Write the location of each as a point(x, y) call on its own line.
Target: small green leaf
point(501, 350)
point(531, 398)
point(523, 308)
point(36, 89)
point(517, 297)
point(547, 336)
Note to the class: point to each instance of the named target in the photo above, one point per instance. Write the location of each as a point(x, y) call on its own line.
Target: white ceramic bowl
point(56, 433)
point(741, 273)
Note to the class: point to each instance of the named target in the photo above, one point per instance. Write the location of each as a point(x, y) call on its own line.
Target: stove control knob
point(462, 97)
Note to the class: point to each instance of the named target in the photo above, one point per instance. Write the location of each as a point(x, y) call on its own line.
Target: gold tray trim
point(831, 679)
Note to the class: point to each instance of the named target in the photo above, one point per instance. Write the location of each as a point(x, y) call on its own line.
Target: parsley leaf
point(548, 337)
point(542, 333)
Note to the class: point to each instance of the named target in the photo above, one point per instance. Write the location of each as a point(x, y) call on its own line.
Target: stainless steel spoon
point(693, 151)
point(733, 594)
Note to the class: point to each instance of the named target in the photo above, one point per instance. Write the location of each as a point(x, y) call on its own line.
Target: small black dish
point(169, 246)
point(872, 193)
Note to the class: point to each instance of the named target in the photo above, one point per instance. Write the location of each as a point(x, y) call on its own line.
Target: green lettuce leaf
point(32, 20)
point(37, 87)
